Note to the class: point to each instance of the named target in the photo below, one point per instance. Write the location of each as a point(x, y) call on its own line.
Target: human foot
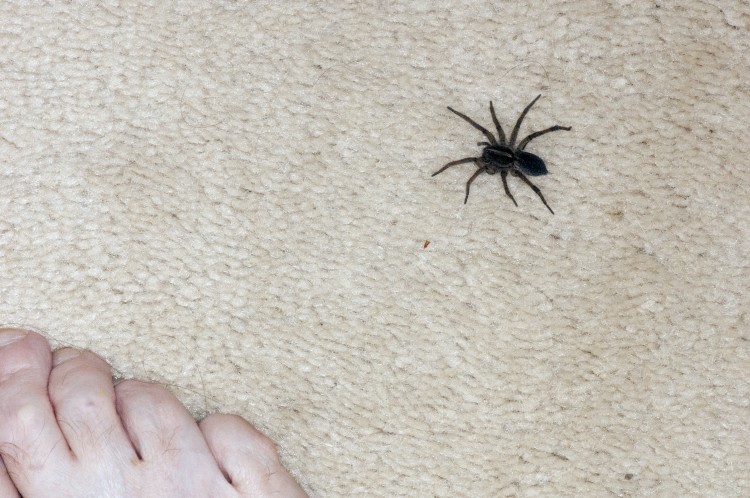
point(66, 431)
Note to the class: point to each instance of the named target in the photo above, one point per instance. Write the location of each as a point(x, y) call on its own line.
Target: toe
point(248, 458)
point(155, 420)
point(167, 438)
point(31, 444)
point(81, 391)
point(7, 489)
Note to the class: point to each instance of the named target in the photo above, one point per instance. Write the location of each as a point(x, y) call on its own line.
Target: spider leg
point(504, 176)
point(514, 135)
point(476, 125)
point(534, 188)
point(500, 132)
point(453, 163)
point(531, 137)
point(468, 184)
point(483, 144)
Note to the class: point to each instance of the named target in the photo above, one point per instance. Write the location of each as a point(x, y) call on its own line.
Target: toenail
point(8, 335)
point(63, 355)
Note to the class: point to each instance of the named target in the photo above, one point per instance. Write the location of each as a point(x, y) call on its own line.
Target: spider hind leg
point(514, 134)
point(504, 176)
point(534, 188)
point(531, 137)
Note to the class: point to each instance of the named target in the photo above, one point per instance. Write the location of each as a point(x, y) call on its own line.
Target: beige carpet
point(234, 200)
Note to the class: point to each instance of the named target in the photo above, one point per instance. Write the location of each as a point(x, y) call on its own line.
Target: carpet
point(234, 199)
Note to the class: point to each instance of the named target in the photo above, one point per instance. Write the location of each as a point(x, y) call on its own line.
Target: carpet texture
point(234, 199)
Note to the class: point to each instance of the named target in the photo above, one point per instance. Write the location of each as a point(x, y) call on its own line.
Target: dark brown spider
point(502, 155)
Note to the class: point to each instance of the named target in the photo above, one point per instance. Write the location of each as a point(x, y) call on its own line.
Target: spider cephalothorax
point(504, 156)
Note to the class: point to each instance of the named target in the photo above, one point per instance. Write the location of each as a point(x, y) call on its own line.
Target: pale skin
point(67, 431)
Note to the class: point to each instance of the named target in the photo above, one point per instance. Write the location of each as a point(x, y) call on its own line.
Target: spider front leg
point(454, 163)
point(500, 132)
point(468, 184)
point(534, 188)
point(476, 125)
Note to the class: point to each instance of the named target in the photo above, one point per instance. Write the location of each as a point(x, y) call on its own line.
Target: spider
point(504, 156)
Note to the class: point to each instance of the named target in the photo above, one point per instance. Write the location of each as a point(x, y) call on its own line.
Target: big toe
point(29, 435)
point(247, 458)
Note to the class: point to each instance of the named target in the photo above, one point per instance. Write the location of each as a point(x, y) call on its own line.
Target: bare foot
point(66, 431)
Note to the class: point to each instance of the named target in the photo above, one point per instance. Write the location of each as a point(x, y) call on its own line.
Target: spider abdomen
point(530, 164)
